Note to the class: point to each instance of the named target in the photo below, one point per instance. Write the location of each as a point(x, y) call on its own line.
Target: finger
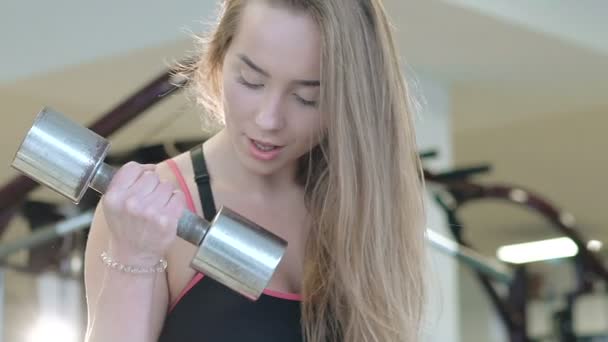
point(161, 195)
point(175, 207)
point(176, 203)
point(150, 167)
point(145, 184)
point(126, 176)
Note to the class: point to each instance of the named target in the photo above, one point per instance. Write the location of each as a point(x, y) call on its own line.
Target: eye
point(249, 85)
point(305, 102)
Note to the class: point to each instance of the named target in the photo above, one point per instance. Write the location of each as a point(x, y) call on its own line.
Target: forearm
point(135, 222)
point(124, 308)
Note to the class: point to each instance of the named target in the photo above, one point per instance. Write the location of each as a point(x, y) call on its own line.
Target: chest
point(286, 220)
point(210, 312)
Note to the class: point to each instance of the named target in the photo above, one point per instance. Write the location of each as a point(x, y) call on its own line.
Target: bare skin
point(271, 74)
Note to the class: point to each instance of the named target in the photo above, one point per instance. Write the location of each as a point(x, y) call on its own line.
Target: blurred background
point(512, 111)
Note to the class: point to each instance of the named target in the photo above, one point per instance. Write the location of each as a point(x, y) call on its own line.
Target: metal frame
point(512, 310)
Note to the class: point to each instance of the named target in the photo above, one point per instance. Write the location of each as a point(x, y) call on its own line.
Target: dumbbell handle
point(190, 227)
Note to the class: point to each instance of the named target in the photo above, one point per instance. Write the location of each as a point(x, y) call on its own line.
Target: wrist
point(128, 256)
point(109, 261)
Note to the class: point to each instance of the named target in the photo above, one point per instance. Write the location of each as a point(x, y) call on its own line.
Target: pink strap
point(182, 183)
point(190, 202)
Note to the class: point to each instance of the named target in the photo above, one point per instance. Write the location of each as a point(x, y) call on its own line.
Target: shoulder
point(176, 167)
point(178, 170)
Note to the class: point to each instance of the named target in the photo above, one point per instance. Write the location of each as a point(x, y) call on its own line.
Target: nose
point(270, 115)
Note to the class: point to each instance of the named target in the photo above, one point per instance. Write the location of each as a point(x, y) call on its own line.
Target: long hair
point(365, 256)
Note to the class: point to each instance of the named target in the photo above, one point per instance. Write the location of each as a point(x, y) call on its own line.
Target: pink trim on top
point(283, 295)
point(182, 184)
point(199, 276)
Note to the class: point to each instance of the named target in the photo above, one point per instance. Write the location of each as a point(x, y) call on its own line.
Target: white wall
point(478, 319)
point(39, 36)
point(433, 126)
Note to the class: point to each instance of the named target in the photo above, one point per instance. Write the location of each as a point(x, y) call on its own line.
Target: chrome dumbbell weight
point(69, 158)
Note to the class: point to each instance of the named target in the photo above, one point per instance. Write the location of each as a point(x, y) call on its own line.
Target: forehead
point(282, 41)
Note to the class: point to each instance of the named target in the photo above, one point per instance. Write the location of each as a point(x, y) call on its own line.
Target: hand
point(142, 213)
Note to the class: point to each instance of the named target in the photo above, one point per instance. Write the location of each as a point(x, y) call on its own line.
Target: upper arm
point(181, 252)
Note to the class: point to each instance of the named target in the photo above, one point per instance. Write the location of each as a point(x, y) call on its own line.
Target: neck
point(261, 186)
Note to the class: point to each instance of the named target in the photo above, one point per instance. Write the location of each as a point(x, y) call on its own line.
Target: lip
point(263, 155)
point(265, 142)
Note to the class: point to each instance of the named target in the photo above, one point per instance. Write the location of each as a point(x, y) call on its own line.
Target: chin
point(258, 167)
point(262, 168)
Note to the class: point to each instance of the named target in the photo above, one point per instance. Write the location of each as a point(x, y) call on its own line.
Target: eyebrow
point(249, 62)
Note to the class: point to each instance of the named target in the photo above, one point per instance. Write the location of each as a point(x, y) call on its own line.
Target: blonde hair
point(365, 257)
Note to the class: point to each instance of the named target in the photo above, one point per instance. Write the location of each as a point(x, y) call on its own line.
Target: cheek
point(308, 129)
point(238, 102)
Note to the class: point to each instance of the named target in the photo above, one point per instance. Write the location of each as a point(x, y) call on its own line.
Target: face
point(271, 77)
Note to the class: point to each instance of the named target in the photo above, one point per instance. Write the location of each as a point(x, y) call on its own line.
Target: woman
point(318, 147)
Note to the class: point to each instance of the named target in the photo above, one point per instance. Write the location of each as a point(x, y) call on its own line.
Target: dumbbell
point(69, 159)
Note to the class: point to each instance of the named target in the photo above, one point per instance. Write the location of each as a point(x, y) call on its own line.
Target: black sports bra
point(207, 311)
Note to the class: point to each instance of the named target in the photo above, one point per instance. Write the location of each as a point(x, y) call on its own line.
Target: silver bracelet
point(160, 266)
